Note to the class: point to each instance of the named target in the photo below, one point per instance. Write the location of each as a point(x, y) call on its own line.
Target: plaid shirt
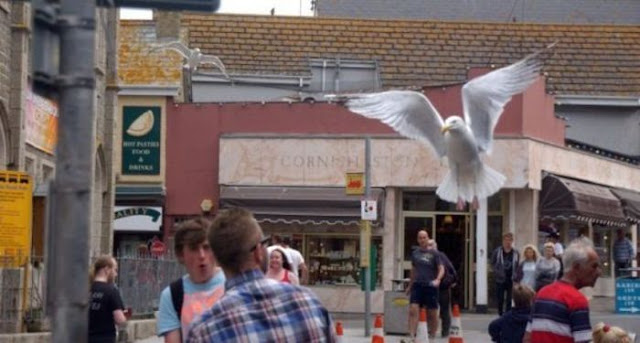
point(257, 309)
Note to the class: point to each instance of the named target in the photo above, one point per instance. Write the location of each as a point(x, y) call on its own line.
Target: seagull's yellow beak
point(445, 128)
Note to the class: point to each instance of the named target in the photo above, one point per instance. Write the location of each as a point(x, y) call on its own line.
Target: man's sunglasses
point(264, 241)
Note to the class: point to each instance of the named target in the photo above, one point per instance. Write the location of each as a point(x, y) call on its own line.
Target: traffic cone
point(422, 333)
point(339, 332)
point(455, 333)
point(378, 335)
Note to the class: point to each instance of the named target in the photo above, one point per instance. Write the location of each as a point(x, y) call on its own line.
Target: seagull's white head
point(452, 123)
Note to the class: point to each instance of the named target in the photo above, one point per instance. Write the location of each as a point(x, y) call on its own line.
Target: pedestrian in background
point(280, 269)
point(526, 272)
point(504, 260)
point(196, 291)
point(427, 272)
point(547, 268)
point(449, 281)
point(105, 303)
point(560, 311)
point(298, 266)
point(623, 253)
point(255, 308)
point(510, 327)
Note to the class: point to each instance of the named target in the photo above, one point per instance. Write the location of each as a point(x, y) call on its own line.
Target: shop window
point(602, 237)
point(419, 201)
point(335, 260)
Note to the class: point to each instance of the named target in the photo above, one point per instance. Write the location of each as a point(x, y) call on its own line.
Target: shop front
point(577, 208)
point(138, 217)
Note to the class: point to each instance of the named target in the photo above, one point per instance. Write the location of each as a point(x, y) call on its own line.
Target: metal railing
point(21, 294)
point(141, 278)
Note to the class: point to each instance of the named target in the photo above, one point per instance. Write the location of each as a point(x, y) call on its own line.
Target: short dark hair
point(522, 295)
point(190, 233)
point(231, 235)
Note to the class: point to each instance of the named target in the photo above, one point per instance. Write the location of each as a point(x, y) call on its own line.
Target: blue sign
point(628, 295)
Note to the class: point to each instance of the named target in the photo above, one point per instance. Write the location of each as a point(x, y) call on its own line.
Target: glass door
point(412, 223)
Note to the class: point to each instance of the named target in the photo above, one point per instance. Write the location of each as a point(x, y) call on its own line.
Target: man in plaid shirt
point(254, 308)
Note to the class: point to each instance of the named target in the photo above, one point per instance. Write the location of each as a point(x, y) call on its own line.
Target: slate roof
point(535, 11)
point(588, 59)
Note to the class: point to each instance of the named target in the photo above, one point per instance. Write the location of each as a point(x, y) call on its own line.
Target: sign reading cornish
point(141, 140)
point(137, 218)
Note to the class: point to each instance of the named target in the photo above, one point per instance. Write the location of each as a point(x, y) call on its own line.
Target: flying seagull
point(462, 141)
point(193, 57)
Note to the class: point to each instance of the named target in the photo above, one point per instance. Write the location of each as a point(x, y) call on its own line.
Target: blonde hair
point(603, 333)
point(536, 254)
point(104, 261)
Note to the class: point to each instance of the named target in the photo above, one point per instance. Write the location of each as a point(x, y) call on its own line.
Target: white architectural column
point(525, 216)
point(481, 257)
point(388, 252)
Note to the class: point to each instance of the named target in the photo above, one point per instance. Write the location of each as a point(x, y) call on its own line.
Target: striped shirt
point(560, 314)
point(257, 309)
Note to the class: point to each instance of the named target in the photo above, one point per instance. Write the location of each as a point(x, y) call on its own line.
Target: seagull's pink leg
point(460, 205)
point(474, 204)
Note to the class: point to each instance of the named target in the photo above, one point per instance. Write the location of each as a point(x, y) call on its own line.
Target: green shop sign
point(141, 140)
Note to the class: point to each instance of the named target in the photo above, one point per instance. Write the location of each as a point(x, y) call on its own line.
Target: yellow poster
point(15, 217)
point(355, 183)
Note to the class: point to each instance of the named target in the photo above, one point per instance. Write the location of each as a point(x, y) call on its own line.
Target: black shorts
point(424, 295)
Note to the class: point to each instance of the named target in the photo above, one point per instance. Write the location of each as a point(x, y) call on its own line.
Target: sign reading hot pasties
point(137, 218)
point(141, 140)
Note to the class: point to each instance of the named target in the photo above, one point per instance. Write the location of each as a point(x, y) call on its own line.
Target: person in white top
point(297, 262)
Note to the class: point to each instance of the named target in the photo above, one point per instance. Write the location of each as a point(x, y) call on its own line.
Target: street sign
point(628, 295)
point(157, 248)
point(369, 210)
point(177, 5)
point(15, 217)
point(355, 183)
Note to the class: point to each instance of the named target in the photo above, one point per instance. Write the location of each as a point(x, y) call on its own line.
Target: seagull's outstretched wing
point(484, 98)
point(215, 61)
point(410, 113)
point(175, 46)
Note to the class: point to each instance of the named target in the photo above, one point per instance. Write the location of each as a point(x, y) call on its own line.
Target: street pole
point(367, 273)
point(71, 188)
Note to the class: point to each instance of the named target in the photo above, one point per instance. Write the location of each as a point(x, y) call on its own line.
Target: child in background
point(511, 325)
point(603, 333)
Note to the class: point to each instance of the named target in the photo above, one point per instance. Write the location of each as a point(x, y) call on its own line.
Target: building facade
point(266, 140)
point(28, 134)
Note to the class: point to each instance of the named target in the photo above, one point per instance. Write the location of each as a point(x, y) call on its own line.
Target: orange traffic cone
point(339, 332)
point(422, 333)
point(455, 333)
point(378, 335)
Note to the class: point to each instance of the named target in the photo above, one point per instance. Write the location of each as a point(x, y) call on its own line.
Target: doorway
point(412, 223)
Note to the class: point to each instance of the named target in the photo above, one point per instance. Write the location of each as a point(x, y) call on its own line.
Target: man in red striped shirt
point(560, 312)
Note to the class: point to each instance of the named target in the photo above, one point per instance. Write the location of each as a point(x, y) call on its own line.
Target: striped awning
point(563, 198)
point(299, 205)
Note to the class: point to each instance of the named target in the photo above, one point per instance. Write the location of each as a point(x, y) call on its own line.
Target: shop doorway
point(412, 223)
point(452, 232)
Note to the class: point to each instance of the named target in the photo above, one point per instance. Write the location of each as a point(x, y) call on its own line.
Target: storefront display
point(602, 243)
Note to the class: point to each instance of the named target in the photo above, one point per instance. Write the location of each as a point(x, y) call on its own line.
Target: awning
point(630, 203)
point(140, 193)
point(299, 205)
point(568, 199)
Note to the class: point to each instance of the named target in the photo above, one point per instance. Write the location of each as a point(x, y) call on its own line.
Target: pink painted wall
point(194, 131)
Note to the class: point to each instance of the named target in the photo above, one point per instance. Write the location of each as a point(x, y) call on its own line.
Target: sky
point(282, 7)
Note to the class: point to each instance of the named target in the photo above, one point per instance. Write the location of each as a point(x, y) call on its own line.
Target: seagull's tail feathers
point(488, 181)
point(458, 186)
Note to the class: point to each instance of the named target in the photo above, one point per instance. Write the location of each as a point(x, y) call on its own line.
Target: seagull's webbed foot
point(460, 204)
point(474, 204)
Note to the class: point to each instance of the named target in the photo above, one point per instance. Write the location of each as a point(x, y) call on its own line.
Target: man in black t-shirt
point(426, 274)
point(105, 304)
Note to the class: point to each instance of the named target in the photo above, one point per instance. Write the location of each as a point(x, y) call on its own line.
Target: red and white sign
point(369, 210)
point(158, 248)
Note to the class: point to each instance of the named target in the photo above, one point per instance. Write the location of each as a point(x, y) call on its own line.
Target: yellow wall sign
point(355, 183)
point(15, 217)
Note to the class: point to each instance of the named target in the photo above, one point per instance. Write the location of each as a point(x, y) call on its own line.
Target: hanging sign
point(369, 210)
